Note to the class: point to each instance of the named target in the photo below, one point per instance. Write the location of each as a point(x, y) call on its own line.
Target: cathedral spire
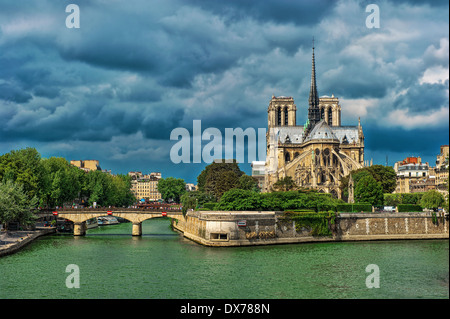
point(313, 111)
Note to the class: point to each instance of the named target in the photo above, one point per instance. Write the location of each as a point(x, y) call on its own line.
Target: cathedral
point(317, 154)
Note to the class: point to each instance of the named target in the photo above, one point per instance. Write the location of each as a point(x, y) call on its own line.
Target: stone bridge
point(135, 216)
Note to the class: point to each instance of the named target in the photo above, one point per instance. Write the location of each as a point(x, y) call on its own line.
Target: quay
point(241, 228)
point(12, 241)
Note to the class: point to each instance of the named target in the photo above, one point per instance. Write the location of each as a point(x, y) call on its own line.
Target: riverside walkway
point(12, 241)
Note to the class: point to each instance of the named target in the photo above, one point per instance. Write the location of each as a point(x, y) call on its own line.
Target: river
point(163, 264)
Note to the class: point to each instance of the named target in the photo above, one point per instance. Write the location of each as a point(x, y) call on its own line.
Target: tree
point(188, 201)
point(221, 181)
point(368, 190)
point(194, 199)
point(15, 204)
point(60, 182)
point(217, 178)
point(121, 194)
point(248, 182)
point(432, 200)
point(97, 188)
point(23, 167)
point(171, 188)
point(108, 190)
point(385, 175)
point(284, 184)
point(208, 175)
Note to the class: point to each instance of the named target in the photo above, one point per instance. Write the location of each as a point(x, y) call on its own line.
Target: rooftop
point(322, 131)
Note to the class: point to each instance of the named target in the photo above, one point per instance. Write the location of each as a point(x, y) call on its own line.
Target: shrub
point(239, 199)
point(408, 208)
point(413, 198)
point(392, 199)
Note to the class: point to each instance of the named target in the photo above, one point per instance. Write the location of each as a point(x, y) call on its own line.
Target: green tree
point(221, 181)
point(285, 184)
point(194, 199)
point(248, 182)
point(385, 175)
point(61, 182)
point(432, 200)
point(15, 205)
point(97, 188)
point(368, 190)
point(189, 200)
point(23, 167)
point(171, 188)
point(121, 194)
point(219, 177)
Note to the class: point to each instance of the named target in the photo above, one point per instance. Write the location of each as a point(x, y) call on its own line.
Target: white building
point(258, 172)
point(413, 170)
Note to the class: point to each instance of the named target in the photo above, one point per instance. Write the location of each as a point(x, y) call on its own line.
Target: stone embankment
point(213, 228)
point(13, 241)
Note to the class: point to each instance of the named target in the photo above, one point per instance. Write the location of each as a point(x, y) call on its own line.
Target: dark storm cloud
point(397, 140)
point(280, 11)
point(10, 92)
point(137, 69)
point(423, 98)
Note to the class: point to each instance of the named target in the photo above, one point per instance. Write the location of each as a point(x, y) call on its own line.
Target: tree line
point(223, 186)
point(27, 180)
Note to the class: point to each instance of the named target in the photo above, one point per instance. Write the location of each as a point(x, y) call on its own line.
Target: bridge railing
point(112, 209)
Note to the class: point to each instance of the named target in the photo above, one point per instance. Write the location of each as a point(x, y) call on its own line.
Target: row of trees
point(51, 182)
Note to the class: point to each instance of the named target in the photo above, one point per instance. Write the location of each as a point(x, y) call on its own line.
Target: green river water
point(163, 264)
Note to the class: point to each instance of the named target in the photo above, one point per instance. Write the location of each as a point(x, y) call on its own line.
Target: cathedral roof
point(294, 134)
point(321, 131)
point(348, 133)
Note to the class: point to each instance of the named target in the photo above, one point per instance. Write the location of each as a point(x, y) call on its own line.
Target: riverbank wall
point(248, 228)
point(16, 240)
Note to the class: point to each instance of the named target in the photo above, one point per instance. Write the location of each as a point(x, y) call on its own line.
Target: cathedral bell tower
point(281, 112)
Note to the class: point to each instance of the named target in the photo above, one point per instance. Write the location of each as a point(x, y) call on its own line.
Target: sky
point(116, 87)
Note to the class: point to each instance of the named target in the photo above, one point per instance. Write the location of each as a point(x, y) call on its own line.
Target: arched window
point(330, 116)
point(279, 116)
point(322, 113)
point(286, 117)
point(287, 157)
point(326, 157)
point(316, 157)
